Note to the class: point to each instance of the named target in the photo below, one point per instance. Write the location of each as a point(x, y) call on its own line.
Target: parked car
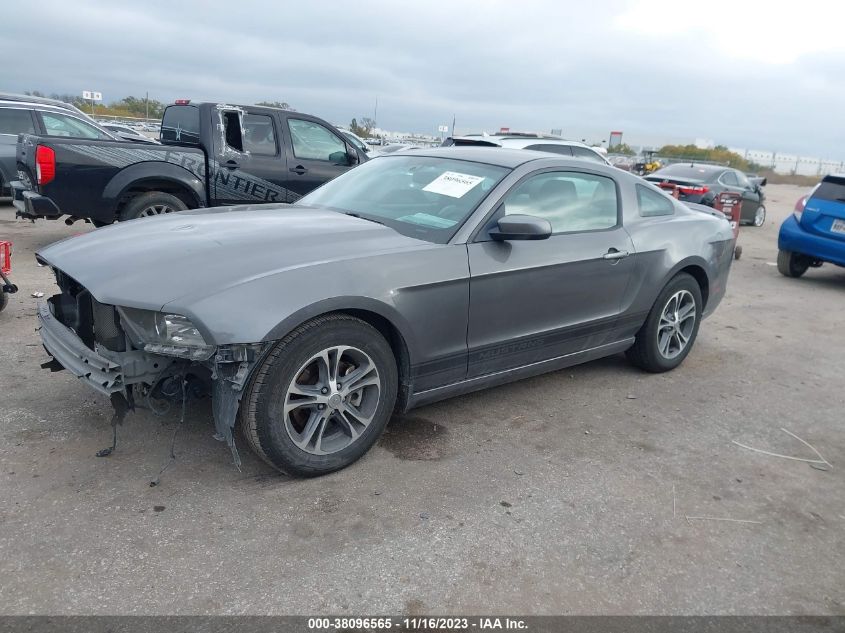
point(23, 114)
point(625, 163)
point(815, 233)
point(356, 140)
point(211, 155)
point(390, 149)
point(701, 183)
point(537, 142)
point(127, 133)
point(415, 277)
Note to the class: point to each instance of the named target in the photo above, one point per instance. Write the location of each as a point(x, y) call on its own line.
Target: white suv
point(536, 142)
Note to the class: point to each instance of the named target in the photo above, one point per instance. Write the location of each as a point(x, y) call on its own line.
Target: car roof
point(29, 99)
point(520, 140)
point(58, 106)
point(498, 156)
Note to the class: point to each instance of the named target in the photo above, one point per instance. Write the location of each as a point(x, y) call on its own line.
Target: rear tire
point(322, 397)
point(792, 264)
point(670, 330)
point(151, 204)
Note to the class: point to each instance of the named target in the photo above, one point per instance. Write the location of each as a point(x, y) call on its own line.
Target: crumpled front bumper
point(107, 372)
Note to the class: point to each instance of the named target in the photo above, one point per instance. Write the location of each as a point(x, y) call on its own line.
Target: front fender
point(344, 304)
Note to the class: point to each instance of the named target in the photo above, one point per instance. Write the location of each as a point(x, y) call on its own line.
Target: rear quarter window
point(653, 203)
point(181, 124)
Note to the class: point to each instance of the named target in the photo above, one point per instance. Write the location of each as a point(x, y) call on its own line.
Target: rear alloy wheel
point(322, 397)
point(151, 204)
point(792, 264)
point(759, 216)
point(670, 330)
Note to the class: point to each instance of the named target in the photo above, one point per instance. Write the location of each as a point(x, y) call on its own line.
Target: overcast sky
point(745, 74)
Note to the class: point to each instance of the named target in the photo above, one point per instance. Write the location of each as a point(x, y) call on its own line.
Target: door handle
point(299, 169)
point(614, 254)
point(231, 164)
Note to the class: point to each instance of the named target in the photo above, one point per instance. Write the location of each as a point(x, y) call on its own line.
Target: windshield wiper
point(363, 217)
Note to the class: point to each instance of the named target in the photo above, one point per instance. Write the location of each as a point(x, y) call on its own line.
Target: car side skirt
point(517, 373)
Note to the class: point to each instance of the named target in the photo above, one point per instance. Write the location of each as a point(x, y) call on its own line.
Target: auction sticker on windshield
point(453, 184)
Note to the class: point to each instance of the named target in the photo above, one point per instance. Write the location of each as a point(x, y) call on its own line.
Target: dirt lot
point(566, 493)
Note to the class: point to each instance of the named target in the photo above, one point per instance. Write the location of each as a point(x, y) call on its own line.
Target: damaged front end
point(134, 355)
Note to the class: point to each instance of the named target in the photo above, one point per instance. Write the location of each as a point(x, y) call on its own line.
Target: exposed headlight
point(163, 333)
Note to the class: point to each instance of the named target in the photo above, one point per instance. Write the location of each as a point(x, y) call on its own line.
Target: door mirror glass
point(521, 227)
point(339, 158)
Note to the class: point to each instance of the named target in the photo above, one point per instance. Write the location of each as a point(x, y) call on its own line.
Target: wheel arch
point(379, 315)
point(697, 269)
point(154, 176)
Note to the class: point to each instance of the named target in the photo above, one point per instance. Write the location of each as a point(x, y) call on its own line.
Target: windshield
point(418, 196)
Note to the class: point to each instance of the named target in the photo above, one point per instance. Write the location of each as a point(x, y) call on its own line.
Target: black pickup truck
point(211, 155)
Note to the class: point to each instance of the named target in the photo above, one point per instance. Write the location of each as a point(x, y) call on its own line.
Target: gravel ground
point(563, 494)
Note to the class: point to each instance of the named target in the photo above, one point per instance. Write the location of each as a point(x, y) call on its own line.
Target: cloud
point(657, 71)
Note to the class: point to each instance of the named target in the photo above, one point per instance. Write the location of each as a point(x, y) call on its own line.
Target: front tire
point(792, 264)
point(759, 217)
point(322, 397)
point(151, 204)
point(670, 330)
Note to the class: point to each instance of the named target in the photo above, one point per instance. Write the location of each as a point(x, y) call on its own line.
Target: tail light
point(799, 207)
point(45, 164)
point(6, 257)
point(695, 190)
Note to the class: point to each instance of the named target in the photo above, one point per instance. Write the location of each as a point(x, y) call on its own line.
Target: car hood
point(149, 262)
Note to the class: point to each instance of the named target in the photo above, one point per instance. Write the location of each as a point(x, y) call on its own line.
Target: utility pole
point(453, 125)
point(375, 113)
point(147, 105)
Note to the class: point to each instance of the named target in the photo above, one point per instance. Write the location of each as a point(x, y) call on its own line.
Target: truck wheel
point(322, 397)
point(669, 332)
point(792, 264)
point(151, 204)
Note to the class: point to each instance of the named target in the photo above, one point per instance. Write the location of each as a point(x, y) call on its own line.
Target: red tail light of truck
point(45, 164)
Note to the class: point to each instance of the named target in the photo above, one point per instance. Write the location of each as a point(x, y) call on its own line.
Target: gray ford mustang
point(414, 277)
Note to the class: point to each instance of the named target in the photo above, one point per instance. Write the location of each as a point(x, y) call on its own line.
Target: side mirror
point(352, 157)
point(521, 227)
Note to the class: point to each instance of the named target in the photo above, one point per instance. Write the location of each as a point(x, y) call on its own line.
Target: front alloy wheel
point(322, 396)
point(332, 400)
point(759, 216)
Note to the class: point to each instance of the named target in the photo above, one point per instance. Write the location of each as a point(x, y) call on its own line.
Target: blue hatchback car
point(816, 234)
